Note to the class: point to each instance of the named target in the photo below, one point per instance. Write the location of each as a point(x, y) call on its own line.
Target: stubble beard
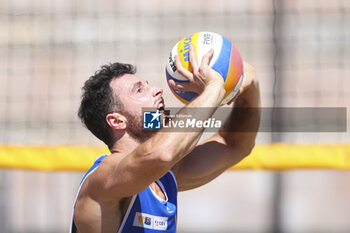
point(135, 127)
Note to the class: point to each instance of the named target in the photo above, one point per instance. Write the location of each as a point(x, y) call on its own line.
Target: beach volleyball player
point(134, 189)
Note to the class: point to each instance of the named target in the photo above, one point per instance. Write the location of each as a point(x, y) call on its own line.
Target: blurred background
point(301, 52)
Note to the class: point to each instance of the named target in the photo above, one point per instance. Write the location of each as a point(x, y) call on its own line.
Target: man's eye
point(139, 90)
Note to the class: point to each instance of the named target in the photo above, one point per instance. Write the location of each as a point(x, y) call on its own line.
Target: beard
point(135, 128)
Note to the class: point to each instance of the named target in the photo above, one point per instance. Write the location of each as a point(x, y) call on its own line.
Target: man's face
point(136, 93)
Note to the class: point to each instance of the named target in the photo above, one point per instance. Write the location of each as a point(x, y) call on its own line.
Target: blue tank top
point(147, 213)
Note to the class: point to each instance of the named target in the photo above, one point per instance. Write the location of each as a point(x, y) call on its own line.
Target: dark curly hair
point(98, 100)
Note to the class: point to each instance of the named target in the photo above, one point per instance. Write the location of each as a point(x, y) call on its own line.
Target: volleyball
point(226, 61)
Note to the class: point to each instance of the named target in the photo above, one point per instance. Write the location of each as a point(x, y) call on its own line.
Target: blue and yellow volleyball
point(226, 61)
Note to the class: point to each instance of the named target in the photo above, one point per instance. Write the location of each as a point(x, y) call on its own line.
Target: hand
point(249, 79)
point(201, 77)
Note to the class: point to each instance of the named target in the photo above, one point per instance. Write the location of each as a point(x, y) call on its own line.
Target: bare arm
point(124, 175)
point(241, 127)
point(230, 145)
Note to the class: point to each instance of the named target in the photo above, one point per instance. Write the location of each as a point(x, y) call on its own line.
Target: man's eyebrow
point(136, 85)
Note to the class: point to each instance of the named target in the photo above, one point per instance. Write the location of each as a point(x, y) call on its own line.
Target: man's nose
point(157, 91)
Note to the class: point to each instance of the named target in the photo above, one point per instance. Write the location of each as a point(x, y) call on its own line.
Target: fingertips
point(172, 83)
point(207, 57)
point(181, 86)
point(184, 72)
point(177, 61)
point(211, 52)
point(193, 58)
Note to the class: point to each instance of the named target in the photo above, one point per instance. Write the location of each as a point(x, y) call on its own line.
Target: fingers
point(184, 72)
point(207, 57)
point(249, 69)
point(193, 58)
point(194, 64)
point(181, 86)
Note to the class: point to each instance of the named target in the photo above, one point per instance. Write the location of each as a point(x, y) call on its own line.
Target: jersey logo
point(150, 221)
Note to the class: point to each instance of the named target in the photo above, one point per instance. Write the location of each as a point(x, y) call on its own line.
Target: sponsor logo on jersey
point(150, 221)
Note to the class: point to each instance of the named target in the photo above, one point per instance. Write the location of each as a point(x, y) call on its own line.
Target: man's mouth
point(160, 105)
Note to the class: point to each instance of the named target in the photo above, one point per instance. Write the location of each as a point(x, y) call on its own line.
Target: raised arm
point(122, 175)
point(230, 145)
point(241, 127)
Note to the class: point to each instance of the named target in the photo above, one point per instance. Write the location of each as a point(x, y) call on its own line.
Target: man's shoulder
point(95, 178)
point(108, 160)
point(103, 165)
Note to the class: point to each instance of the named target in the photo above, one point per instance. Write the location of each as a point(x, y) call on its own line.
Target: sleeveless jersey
point(147, 213)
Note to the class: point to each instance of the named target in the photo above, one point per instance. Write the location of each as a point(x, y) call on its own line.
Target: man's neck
point(125, 144)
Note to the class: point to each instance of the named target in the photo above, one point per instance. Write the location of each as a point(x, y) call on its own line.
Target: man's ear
point(116, 120)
